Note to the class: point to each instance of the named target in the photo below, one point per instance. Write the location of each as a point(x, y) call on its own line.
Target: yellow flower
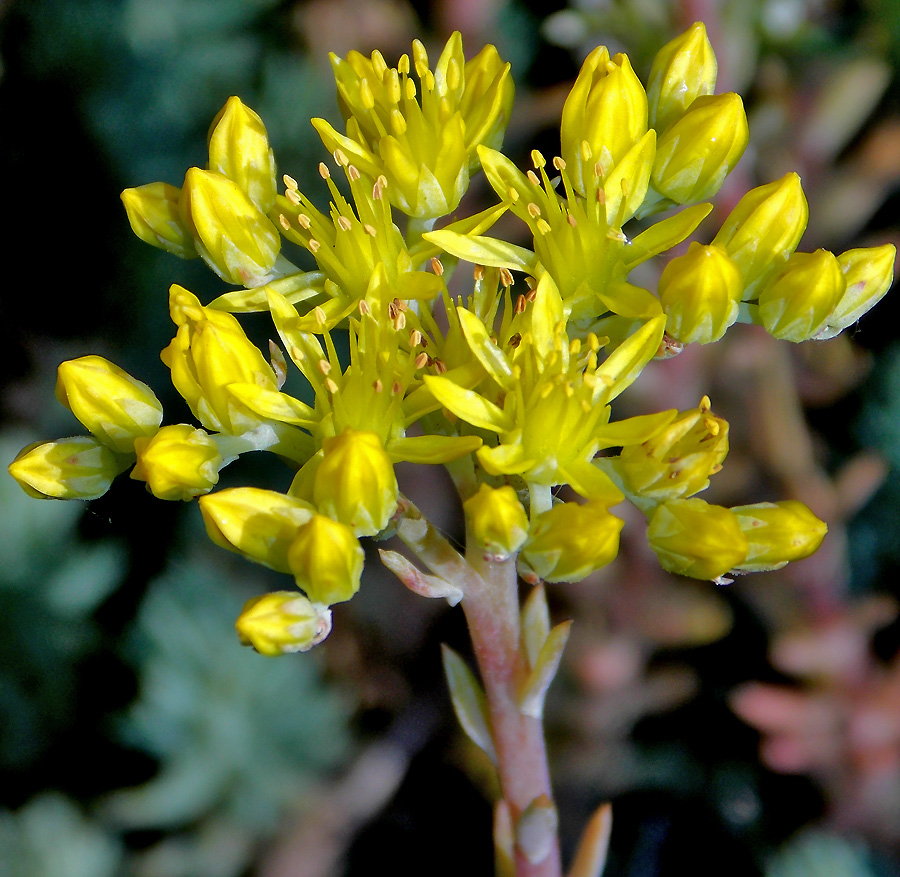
point(114, 406)
point(677, 461)
point(570, 541)
point(80, 467)
point(497, 521)
point(179, 462)
point(281, 623)
point(423, 147)
point(552, 410)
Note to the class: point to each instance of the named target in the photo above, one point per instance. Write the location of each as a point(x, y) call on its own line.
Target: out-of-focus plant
point(510, 390)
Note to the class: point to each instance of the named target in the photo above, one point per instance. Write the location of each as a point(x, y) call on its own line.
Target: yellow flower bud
point(179, 462)
point(234, 238)
point(282, 622)
point(155, 218)
point(486, 102)
point(355, 482)
point(70, 468)
point(210, 351)
point(259, 524)
point(497, 521)
point(696, 154)
point(683, 70)
point(570, 541)
point(700, 292)
point(764, 229)
point(696, 539)
point(868, 274)
point(326, 560)
point(239, 149)
point(677, 461)
point(114, 406)
point(777, 533)
point(797, 303)
point(604, 115)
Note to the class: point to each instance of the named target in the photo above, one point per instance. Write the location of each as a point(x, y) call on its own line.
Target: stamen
point(331, 386)
point(324, 366)
point(364, 307)
point(439, 366)
point(512, 194)
point(289, 182)
point(340, 157)
point(521, 304)
point(571, 220)
point(705, 405)
point(284, 222)
point(515, 340)
point(320, 315)
point(537, 158)
point(415, 338)
point(543, 226)
point(478, 273)
point(303, 220)
point(313, 245)
point(559, 163)
point(344, 223)
point(422, 360)
point(506, 277)
point(437, 266)
point(533, 178)
point(353, 173)
point(533, 210)
point(370, 230)
point(324, 173)
point(293, 196)
point(378, 386)
point(396, 388)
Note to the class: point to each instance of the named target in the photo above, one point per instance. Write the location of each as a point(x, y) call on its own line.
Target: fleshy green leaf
point(531, 698)
point(535, 623)
point(417, 581)
point(469, 701)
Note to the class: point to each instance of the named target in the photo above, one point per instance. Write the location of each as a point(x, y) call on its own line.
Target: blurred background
point(752, 729)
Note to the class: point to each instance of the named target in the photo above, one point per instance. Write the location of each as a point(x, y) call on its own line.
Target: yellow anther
point(422, 360)
point(521, 304)
point(289, 182)
point(364, 308)
point(320, 315)
point(403, 65)
point(705, 405)
point(396, 388)
point(344, 223)
point(303, 220)
point(533, 178)
point(543, 226)
point(513, 194)
point(331, 386)
point(506, 277)
point(571, 220)
point(353, 173)
point(516, 339)
point(313, 246)
point(324, 173)
point(378, 386)
point(537, 158)
point(559, 163)
point(370, 230)
point(293, 196)
point(478, 272)
point(437, 266)
point(340, 157)
point(533, 210)
point(415, 338)
point(324, 366)
point(284, 222)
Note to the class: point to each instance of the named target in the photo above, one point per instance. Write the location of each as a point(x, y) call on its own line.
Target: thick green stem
point(492, 613)
point(491, 606)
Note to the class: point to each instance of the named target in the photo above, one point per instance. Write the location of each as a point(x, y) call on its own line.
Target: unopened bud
point(700, 293)
point(797, 303)
point(696, 154)
point(326, 560)
point(155, 217)
point(683, 70)
point(355, 482)
point(868, 273)
point(696, 539)
point(114, 406)
point(497, 521)
point(281, 623)
point(764, 229)
point(570, 541)
point(179, 462)
point(80, 467)
point(778, 533)
point(259, 524)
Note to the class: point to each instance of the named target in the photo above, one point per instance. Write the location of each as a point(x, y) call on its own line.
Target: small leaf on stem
point(591, 856)
point(469, 701)
point(535, 624)
point(531, 698)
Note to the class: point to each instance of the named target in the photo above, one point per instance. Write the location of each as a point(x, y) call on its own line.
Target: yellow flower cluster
point(512, 390)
